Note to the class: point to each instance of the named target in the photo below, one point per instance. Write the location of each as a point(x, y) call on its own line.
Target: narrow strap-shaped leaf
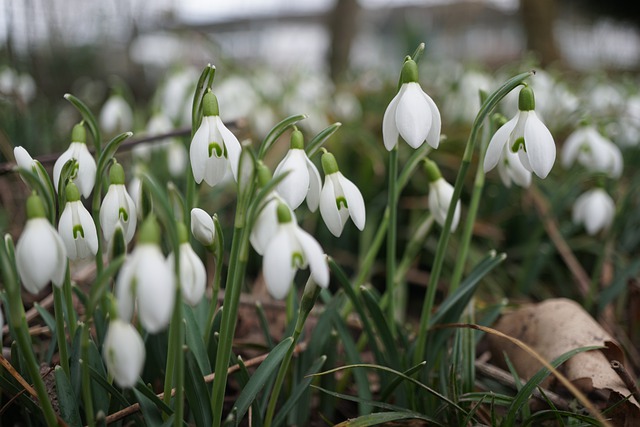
point(195, 342)
point(109, 151)
point(159, 403)
point(277, 131)
point(152, 415)
point(386, 392)
point(317, 141)
point(381, 418)
point(89, 118)
point(296, 393)
point(197, 392)
point(99, 379)
point(67, 401)
point(264, 325)
point(260, 376)
point(384, 332)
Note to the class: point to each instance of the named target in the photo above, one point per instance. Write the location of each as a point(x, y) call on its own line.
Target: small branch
point(626, 378)
point(207, 379)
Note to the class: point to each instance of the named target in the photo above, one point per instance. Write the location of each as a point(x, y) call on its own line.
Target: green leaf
point(260, 376)
point(204, 82)
point(100, 380)
point(314, 145)
point(264, 325)
point(67, 401)
point(195, 342)
point(386, 392)
point(296, 393)
point(89, 118)
point(155, 400)
point(44, 189)
point(197, 392)
point(150, 412)
point(381, 418)
point(101, 283)
point(524, 393)
point(100, 396)
point(109, 151)
point(384, 333)
point(277, 131)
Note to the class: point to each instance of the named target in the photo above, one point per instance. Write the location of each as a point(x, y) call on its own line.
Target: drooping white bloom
point(124, 353)
point(193, 276)
point(118, 208)
point(595, 209)
point(302, 180)
point(292, 248)
point(589, 148)
point(339, 199)
point(214, 149)
point(202, 226)
point(25, 161)
point(86, 172)
point(40, 253)
point(510, 169)
point(266, 224)
point(412, 114)
point(116, 115)
point(440, 195)
point(147, 278)
point(76, 227)
point(526, 135)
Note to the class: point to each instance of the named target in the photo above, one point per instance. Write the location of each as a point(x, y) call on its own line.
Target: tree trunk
point(538, 18)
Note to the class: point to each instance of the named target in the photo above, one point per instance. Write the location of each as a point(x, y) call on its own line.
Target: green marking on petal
point(77, 229)
point(122, 213)
point(342, 201)
point(517, 144)
point(215, 146)
point(297, 260)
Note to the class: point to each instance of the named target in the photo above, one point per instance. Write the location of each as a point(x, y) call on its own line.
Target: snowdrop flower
point(118, 208)
point(412, 114)
point(202, 227)
point(595, 209)
point(214, 149)
point(193, 276)
point(510, 169)
point(148, 278)
point(40, 253)
point(525, 135)
point(76, 227)
point(85, 175)
point(123, 353)
point(340, 198)
point(25, 161)
point(593, 151)
point(440, 195)
point(292, 248)
point(302, 180)
point(116, 115)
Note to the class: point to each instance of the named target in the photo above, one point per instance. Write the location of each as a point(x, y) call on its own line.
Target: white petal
point(413, 115)
point(433, 138)
point(572, 146)
point(266, 225)
point(155, 290)
point(89, 227)
point(193, 276)
point(277, 265)
point(497, 143)
point(86, 170)
point(232, 145)
point(329, 209)
point(295, 186)
point(199, 150)
point(57, 167)
point(124, 353)
point(354, 200)
point(440, 195)
point(389, 128)
point(124, 289)
point(65, 229)
point(540, 147)
point(315, 183)
point(202, 226)
point(23, 158)
point(314, 255)
point(109, 213)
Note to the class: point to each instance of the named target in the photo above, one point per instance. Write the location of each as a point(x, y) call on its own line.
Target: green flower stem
point(60, 330)
point(392, 231)
point(18, 320)
point(68, 298)
point(307, 303)
point(217, 279)
point(467, 233)
point(86, 378)
point(436, 270)
point(370, 257)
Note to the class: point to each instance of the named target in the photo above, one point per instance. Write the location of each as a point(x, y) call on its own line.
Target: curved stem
point(392, 206)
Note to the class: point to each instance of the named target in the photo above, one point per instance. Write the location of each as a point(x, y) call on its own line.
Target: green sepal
point(526, 99)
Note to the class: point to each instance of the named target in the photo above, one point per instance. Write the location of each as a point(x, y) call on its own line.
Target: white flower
point(595, 209)
point(214, 149)
point(135, 191)
point(266, 224)
point(25, 161)
point(302, 180)
point(593, 151)
point(440, 194)
point(412, 114)
point(78, 231)
point(292, 248)
point(148, 278)
point(118, 208)
point(40, 254)
point(124, 353)
point(340, 199)
point(202, 227)
point(526, 135)
point(510, 169)
point(193, 276)
point(86, 172)
point(116, 115)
